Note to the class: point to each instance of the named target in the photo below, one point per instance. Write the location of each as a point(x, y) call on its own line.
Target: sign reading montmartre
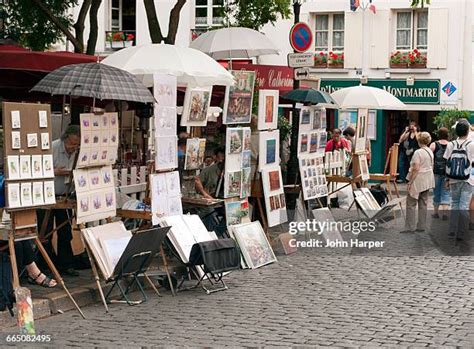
point(422, 92)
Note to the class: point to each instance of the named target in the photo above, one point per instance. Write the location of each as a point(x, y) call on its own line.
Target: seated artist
point(64, 153)
point(210, 184)
point(25, 258)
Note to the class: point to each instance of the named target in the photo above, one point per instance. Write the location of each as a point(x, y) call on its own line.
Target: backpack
point(458, 165)
point(6, 289)
point(439, 166)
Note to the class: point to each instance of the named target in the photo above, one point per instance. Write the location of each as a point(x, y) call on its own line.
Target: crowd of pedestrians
point(444, 166)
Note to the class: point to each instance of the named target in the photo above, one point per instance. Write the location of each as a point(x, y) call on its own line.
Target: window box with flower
point(416, 59)
point(399, 60)
point(336, 60)
point(118, 40)
point(320, 60)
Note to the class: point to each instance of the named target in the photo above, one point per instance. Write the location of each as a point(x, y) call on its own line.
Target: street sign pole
point(292, 165)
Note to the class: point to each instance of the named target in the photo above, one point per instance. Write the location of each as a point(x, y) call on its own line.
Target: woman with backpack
point(420, 181)
point(441, 198)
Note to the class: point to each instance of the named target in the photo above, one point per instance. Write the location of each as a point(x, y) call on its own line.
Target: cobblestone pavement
point(304, 299)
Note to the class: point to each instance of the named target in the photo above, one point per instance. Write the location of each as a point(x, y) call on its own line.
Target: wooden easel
point(24, 227)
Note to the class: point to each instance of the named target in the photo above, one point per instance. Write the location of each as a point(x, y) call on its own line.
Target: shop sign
point(270, 77)
point(421, 92)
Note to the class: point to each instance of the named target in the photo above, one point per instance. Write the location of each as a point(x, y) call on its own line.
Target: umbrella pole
point(62, 112)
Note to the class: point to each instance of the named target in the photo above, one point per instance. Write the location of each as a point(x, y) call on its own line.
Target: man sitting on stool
point(64, 153)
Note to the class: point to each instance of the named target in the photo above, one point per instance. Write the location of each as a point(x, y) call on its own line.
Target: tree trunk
point(79, 25)
point(174, 22)
point(153, 23)
point(78, 46)
point(94, 27)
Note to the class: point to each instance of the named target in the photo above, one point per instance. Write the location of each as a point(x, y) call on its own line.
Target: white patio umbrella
point(366, 97)
point(235, 42)
point(189, 65)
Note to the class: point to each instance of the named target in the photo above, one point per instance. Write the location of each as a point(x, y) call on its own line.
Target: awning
point(18, 58)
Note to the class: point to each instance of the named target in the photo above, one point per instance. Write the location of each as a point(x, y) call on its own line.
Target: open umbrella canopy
point(190, 66)
point(235, 42)
point(94, 80)
point(310, 95)
point(366, 97)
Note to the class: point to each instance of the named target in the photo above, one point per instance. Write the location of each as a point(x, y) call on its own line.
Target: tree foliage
point(27, 24)
point(448, 117)
point(416, 3)
point(255, 14)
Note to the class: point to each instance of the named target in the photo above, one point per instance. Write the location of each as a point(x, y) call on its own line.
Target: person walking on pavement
point(408, 145)
point(441, 197)
point(420, 181)
point(459, 157)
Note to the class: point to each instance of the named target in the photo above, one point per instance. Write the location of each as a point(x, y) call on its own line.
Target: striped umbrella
point(95, 80)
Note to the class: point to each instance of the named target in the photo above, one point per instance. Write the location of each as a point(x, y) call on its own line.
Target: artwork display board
point(195, 151)
point(237, 212)
point(313, 177)
point(29, 171)
point(253, 244)
point(268, 109)
point(360, 138)
point(196, 105)
point(274, 194)
point(268, 149)
point(99, 140)
point(107, 243)
point(165, 195)
point(237, 164)
point(238, 103)
point(312, 136)
point(366, 201)
point(363, 167)
point(166, 152)
point(348, 118)
point(186, 230)
point(95, 191)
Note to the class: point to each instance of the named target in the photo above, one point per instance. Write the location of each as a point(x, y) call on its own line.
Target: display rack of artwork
point(360, 138)
point(237, 179)
point(95, 192)
point(275, 202)
point(239, 99)
point(29, 171)
point(312, 136)
point(99, 140)
point(313, 177)
point(165, 195)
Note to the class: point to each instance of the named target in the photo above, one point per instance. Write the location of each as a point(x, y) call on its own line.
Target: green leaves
point(27, 24)
point(255, 14)
point(448, 117)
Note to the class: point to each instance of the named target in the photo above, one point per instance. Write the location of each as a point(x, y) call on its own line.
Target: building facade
point(422, 56)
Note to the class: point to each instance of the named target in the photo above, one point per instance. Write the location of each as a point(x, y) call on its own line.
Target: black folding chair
point(214, 258)
point(134, 261)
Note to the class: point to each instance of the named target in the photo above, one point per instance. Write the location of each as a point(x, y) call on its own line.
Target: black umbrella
point(96, 80)
point(310, 95)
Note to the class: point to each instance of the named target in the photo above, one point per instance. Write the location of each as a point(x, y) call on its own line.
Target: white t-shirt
point(470, 155)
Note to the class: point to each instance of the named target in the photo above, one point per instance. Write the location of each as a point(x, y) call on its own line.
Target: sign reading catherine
point(422, 92)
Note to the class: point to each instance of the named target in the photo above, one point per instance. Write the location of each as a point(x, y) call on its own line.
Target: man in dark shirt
point(210, 182)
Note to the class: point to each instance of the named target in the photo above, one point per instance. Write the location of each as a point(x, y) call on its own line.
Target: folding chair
point(134, 262)
point(214, 258)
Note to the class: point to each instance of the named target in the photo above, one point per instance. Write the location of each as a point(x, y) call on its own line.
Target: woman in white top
point(420, 181)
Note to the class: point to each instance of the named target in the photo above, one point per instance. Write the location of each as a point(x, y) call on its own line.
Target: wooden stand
point(24, 228)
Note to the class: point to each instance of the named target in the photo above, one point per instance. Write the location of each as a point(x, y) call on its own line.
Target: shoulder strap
point(429, 154)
